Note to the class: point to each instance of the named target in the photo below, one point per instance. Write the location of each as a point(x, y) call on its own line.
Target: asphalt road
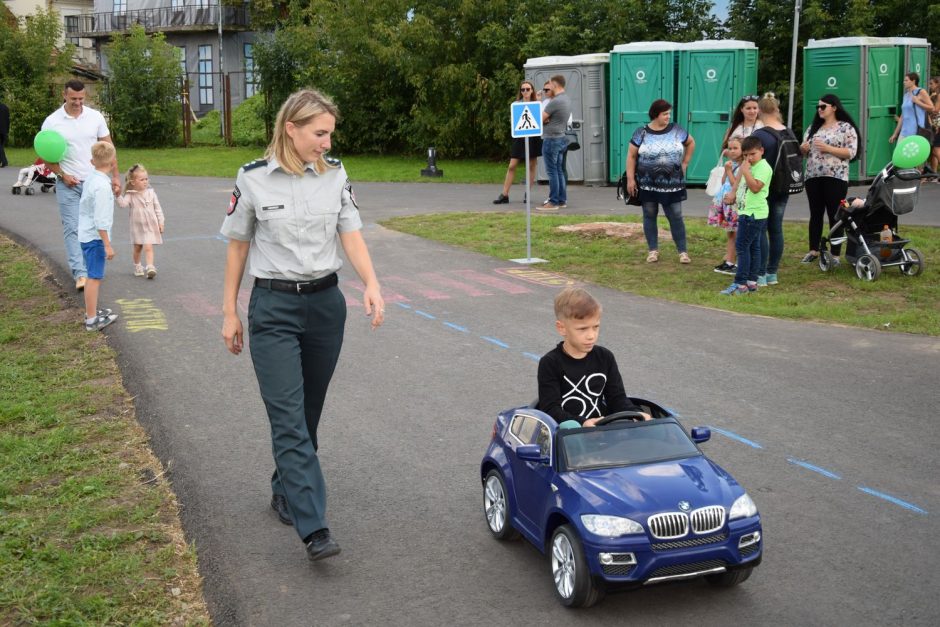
point(831, 430)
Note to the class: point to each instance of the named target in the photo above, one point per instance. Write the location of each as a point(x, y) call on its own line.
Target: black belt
point(299, 287)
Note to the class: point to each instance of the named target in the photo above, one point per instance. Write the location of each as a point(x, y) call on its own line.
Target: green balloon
point(50, 146)
point(911, 152)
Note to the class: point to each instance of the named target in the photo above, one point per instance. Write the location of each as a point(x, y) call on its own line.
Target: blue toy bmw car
point(625, 503)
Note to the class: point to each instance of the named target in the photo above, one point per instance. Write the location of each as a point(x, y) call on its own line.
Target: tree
point(142, 93)
point(29, 65)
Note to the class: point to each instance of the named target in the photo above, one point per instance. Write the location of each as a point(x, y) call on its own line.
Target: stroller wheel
point(46, 188)
point(913, 262)
point(30, 191)
point(825, 260)
point(15, 191)
point(868, 268)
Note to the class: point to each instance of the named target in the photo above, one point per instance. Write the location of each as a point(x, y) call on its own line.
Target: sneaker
point(547, 208)
point(502, 199)
point(734, 290)
point(762, 280)
point(836, 262)
point(138, 270)
point(684, 258)
point(726, 267)
point(810, 257)
point(772, 279)
point(80, 283)
point(100, 322)
point(752, 286)
point(104, 312)
point(562, 205)
point(652, 257)
point(151, 272)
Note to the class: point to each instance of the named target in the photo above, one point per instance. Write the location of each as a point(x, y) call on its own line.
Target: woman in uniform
point(286, 216)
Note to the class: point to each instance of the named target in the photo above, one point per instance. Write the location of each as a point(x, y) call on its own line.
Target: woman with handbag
point(527, 93)
point(657, 159)
point(915, 110)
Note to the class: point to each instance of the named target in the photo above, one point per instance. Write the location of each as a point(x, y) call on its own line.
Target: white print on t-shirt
point(584, 402)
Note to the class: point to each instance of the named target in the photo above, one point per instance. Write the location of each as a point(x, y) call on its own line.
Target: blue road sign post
point(527, 122)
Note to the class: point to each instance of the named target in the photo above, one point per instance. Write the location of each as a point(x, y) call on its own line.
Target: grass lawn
point(224, 162)
point(89, 529)
point(894, 302)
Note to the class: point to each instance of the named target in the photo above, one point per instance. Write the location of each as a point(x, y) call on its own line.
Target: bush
point(208, 130)
point(248, 122)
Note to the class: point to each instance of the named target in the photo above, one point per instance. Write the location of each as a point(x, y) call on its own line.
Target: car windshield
point(623, 445)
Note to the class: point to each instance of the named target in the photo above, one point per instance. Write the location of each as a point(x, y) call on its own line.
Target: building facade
point(68, 10)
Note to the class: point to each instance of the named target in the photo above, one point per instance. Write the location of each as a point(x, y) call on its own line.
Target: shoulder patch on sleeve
point(352, 194)
point(333, 161)
point(251, 165)
point(233, 202)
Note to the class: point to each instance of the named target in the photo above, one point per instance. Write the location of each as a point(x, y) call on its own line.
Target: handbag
point(572, 141)
point(715, 177)
point(925, 131)
point(622, 193)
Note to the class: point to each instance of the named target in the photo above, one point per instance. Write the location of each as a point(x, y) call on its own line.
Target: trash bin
point(586, 79)
point(866, 74)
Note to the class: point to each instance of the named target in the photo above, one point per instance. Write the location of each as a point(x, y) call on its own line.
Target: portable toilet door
point(586, 87)
point(640, 73)
point(916, 57)
point(880, 106)
point(713, 77)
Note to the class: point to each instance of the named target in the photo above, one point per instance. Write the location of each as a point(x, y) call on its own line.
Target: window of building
point(120, 7)
point(251, 79)
point(205, 75)
point(71, 23)
point(177, 4)
point(181, 54)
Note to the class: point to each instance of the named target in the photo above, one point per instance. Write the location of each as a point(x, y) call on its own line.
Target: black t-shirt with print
point(580, 389)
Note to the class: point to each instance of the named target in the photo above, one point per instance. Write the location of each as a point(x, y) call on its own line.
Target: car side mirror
point(701, 434)
point(531, 453)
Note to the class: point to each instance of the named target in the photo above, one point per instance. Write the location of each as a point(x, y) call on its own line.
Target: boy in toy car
point(579, 380)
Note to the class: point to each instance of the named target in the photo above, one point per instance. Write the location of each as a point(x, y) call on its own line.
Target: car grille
point(683, 544)
point(668, 526)
point(708, 519)
point(750, 549)
point(618, 570)
point(683, 569)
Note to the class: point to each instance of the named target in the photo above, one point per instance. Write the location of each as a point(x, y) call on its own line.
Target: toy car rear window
point(610, 447)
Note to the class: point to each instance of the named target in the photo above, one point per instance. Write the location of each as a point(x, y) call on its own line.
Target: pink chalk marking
point(387, 295)
point(460, 286)
point(492, 281)
point(411, 286)
point(198, 305)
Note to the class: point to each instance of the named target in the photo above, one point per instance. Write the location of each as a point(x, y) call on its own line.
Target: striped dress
point(146, 216)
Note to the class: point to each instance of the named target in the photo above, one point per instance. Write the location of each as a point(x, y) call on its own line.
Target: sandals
point(684, 258)
point(652, 257)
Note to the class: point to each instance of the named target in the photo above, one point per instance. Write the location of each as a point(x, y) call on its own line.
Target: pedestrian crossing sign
point(527, 119)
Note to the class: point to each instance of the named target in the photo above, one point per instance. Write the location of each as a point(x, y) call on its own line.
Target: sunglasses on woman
point(822, 106)
point(751, 98)
point(524, 89)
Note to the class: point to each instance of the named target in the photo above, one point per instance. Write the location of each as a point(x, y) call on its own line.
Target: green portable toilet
point(640, 73)
point(586, 86)
point(916, 57)
point(866, 73)
point(713, 77)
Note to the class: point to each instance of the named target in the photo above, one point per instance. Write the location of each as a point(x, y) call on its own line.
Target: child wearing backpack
point(782, 152)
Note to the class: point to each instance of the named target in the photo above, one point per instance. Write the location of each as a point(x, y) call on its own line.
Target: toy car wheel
point(573, 582)
point(730, 578)
point(868, 268)
point(825, 260)
point(496, 507)
point(914, 262)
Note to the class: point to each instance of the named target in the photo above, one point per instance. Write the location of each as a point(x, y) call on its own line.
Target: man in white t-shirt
point(81, 127)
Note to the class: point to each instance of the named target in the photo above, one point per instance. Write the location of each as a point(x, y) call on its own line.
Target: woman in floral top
point(829, 144)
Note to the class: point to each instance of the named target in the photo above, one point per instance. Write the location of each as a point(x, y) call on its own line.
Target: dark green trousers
point(295, 340)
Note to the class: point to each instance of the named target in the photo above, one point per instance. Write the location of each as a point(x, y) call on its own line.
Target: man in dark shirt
point(579, 380)
point(4, 133)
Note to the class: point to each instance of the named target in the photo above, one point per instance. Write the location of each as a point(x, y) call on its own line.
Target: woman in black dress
point(527, 93)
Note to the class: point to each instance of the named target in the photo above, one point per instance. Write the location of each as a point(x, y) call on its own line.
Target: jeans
point(68, 199)
point(748, 246)
point(553, 151)
point(676, 225)
point(772, 245)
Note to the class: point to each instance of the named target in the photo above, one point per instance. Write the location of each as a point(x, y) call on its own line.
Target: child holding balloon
point(146, 218)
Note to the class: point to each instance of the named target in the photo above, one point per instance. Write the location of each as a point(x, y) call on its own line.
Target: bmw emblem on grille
point(685, 506)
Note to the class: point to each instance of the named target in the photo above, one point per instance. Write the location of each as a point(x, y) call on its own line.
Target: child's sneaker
point(734, 290)
point(762, 280)
point(138, 270)
point(100, 322)
point(772, 279)
point(752, 286)
point(726, 267)
point(151, 272)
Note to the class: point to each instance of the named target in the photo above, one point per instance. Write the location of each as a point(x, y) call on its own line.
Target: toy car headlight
point(743, 508)
point(610, 526)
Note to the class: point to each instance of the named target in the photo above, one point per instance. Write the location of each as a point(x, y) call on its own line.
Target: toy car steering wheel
point(620, 415)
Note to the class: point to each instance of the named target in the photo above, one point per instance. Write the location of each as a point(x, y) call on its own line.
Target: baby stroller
point(40, 173)
point(893, 193)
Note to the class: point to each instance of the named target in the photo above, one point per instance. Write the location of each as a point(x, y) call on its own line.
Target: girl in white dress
point(146, 218)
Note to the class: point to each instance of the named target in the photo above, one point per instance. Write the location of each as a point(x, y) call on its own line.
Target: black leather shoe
point(321, 546)
point(279, 505)
point(502, 199)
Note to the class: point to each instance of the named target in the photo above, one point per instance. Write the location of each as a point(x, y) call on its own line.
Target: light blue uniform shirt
point(96, 208)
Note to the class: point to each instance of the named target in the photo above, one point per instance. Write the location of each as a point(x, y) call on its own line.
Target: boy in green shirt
point(752, 217)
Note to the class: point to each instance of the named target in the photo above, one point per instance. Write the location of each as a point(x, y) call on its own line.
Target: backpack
point(788, 169)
